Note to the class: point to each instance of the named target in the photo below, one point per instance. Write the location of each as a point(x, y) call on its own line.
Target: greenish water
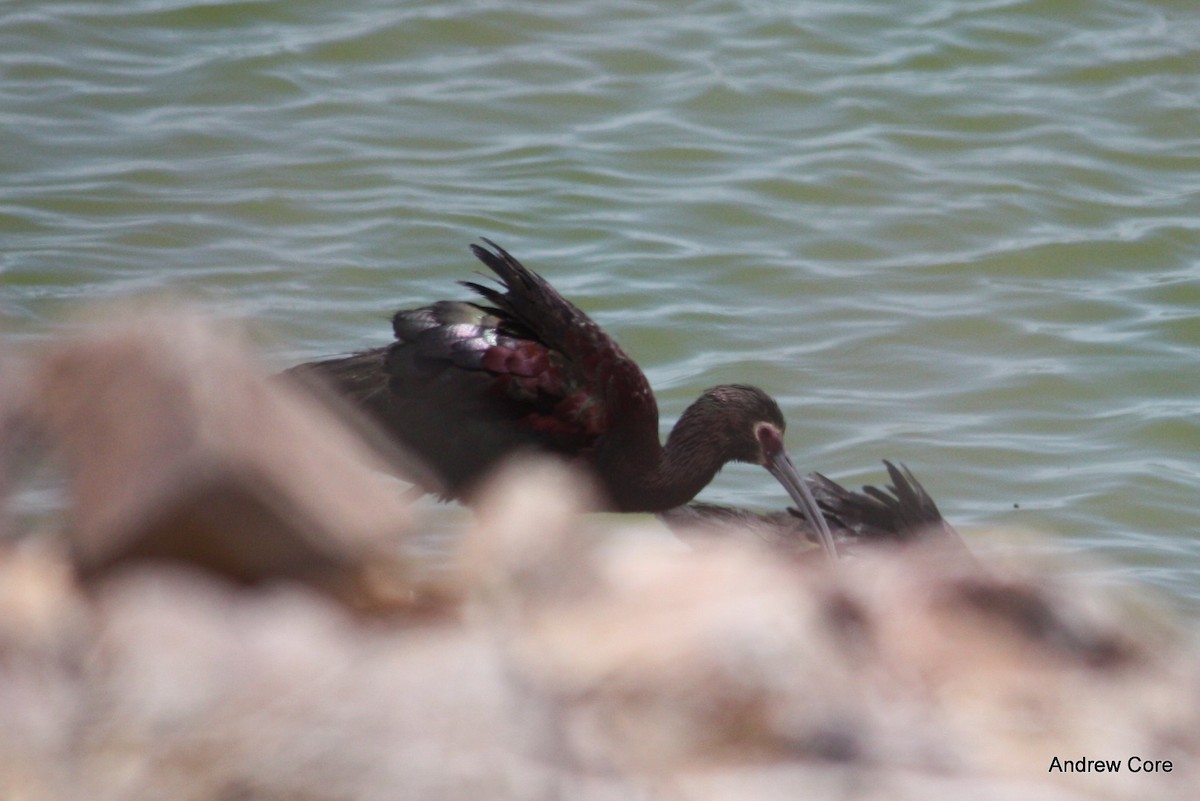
point(964, 235)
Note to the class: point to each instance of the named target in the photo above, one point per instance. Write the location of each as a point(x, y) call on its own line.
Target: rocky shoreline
point(232, 610)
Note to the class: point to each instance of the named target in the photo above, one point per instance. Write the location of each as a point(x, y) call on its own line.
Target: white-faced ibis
point(903, 513)
point(466, 384)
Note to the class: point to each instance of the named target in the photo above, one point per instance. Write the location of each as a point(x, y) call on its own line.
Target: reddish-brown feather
point(604, 392)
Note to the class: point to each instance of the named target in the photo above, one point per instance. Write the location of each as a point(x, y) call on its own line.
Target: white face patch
point(770, 439)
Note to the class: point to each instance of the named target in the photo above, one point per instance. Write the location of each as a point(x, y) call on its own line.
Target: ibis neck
point(664, 477)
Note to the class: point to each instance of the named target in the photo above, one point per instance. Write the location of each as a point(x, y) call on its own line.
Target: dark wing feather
point(903, 513)
point(466, 384)
point(562, 353)
point(359, 384)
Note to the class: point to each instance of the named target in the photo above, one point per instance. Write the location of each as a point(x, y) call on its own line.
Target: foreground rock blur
point(179, 447)
point(184, 649)
point(903, 674)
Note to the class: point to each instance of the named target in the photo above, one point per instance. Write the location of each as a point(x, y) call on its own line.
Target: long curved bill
point(780, 465)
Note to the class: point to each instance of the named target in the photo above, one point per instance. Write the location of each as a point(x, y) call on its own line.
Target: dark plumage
point(903, 513)
point(466, 384)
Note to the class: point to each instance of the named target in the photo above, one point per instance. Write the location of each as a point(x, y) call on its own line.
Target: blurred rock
point(903, 673)
point(198, 691)
point(44, 631)
point(530, 546)
point(179, 447)
point(591, 661)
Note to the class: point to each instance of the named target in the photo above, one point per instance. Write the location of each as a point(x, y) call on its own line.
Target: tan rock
point(179, 447)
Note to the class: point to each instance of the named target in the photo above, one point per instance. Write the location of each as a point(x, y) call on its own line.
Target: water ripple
point(961, 235)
